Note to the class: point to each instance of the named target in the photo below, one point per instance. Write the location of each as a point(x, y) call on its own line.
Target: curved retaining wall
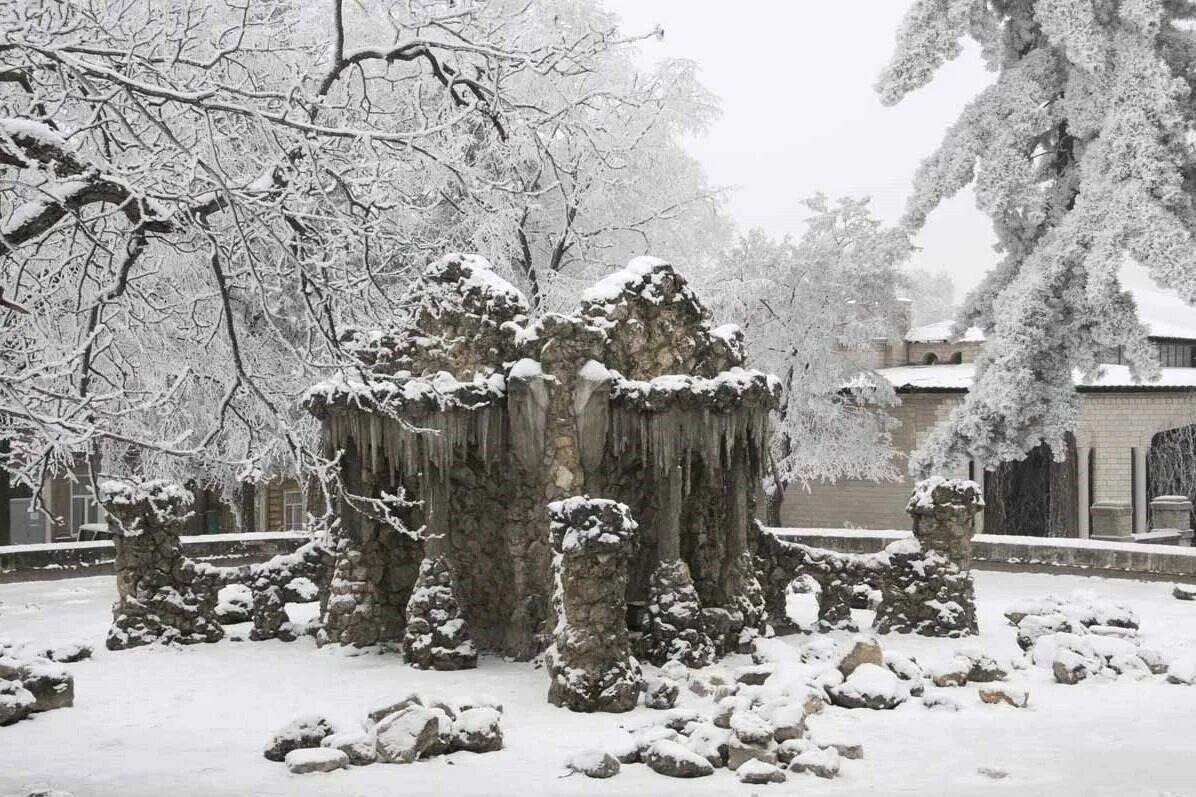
point(1030, 554)
point(72, 559)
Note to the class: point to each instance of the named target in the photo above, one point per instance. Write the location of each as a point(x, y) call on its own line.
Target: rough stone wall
point(589, 662)
point(779, 562)
point(927, 588)
point(156, 596)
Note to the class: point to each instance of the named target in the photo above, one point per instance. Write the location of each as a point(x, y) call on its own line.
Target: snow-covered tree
point(931, 293)
point(199, 198)
point(1081, 153)
point(812, 312)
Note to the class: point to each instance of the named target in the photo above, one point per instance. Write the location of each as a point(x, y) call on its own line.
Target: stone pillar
point(978, 470)
point(1140, 503)
point(436, 636)
point(1083, 500)
point(1173, 512)
point(159, 598)
point(1112, 510)
point(928, 588)
point(590, 662)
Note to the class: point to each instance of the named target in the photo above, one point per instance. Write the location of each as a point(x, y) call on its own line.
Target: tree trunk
point(247, 497)
point(5, 495)
point(772, 505)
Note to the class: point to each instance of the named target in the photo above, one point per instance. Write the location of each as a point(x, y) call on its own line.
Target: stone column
point(436, 636)
point(590, 662)
point(159, 598)
point(928, 588)
point(1140, 504)
point(1083, 501)
point(978, 470)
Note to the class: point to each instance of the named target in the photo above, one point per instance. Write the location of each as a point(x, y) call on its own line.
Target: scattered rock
point(869, 686)
point(666, 757)
point(815, 760)
point(1031, 627)
point(315, 759)
point(378, 714)
point(359, 748)
point(1114, 631)
point(679, 718)
point(69, 653)
point(234, 604)
point(1182, 671)
point(750, 727)
point(788, 722)
point(662, 693)
point(1070, 667)
point(740, 751)
point(754, 675)
point(478, 730)
point(941, 703)
point(1184, 592)
point(713, 682)
point(984, 668)
point(1004, 693)
point(820, 650)
point(623, 747)
point(710, 742)
point(1153, 659)
point(953, 673)
point(647, 737)
point(864, 650)
point(299, 734)
point(843, 740)
point(990, 772)
point(16, 702)
point(593, 763)
point(407, 734)
point(759, 772)
point(52, 686)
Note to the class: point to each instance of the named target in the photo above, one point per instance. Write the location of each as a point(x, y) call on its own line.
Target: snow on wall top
point(1163, 312)
point(940, 332)
point(403, 391)
point(730, 388)
point(611, 286)
point(961, 377)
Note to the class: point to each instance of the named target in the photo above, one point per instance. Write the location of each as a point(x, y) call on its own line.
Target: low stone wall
point(1029, 554)
point(77, 559)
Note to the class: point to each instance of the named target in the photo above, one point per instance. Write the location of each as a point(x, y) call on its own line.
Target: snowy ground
point(193, 721)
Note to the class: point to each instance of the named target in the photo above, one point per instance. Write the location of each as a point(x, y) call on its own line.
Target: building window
point(86, 513)
point(293, 516)
point(1175, 355)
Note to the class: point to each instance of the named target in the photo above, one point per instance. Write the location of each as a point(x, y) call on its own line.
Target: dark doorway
point(1034, 496)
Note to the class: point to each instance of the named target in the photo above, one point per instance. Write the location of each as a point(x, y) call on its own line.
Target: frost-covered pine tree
point(1080, 151)
point(810, 309)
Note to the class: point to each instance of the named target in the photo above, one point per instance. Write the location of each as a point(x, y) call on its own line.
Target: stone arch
point(1171, 463)
point(930, 359)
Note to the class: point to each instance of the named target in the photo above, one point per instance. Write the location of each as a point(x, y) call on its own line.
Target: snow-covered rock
point(951, 673)
point(844, 739)
point(759, 772)
point(68, 653)
point(298, 734)
point(710, 742)
point(1005, 693)
point(667, 757)
point(16, 702)
point(869, 686)
point(815, 760)
point(234, 604)
point(478, 730)
point(750, 727)
point(407, 734)
point(378, 714)
point(740, 751)
point(315, 759)
point(755, 674)
point(1182, 671)
point(360, 748)
point(52, 686)
point(661, 693)
point(939, 702)
point(863, 650)
point(1184, 592)
point(593, 763)
point(1070, 667)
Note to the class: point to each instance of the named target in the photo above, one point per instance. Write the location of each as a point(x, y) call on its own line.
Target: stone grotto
point(580, 485)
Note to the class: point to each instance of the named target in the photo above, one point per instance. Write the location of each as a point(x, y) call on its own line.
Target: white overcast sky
point(800, 115)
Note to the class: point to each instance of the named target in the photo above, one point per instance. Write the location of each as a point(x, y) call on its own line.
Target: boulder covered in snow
point(1182, 671)
point(863, 650)
point(478, 730)
point(1184, 592)
point(810, 758)
point(406, 735)
point(315, 759)
point(661, 693)
point(360, 748)
point(1005, 693)
point(759, 772)
point(234, 604)
point(16, 702)
point(869, 686)
point(593, 763)
point(709, 741)
point(68, 653)
point(952, 673)
point(52, 686)
point(1070, 667)
point(298, 734)
point(984, 668)
point(667, 757)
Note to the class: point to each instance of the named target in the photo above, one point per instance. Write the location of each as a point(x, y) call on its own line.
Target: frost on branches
point(1080, 153)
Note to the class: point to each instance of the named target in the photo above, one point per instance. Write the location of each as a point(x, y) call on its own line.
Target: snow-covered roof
point(940, 332)
point(960, 377)
point(1163, 312)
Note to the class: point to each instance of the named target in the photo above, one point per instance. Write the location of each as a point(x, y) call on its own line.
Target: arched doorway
point(930, 359)
point(1171, 464)
point(1034, 496)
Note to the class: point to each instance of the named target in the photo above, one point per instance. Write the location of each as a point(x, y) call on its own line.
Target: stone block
point(1112, 520)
